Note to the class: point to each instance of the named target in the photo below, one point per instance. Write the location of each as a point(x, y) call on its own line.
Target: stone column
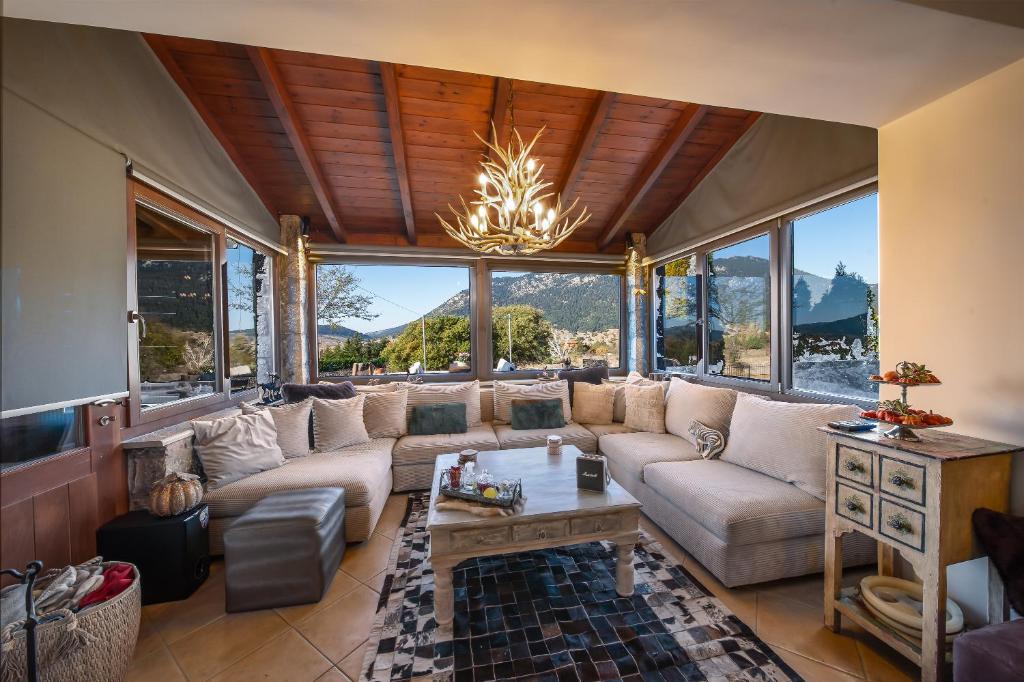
point(638, 293)
point(294, 365)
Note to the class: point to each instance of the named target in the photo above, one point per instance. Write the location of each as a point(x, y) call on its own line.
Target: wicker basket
point(110, 628)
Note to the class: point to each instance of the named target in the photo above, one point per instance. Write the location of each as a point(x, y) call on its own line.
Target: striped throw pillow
point(430, 394)
point(505, 393)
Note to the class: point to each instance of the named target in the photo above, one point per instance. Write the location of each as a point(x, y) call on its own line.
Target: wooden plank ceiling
point(370, 150)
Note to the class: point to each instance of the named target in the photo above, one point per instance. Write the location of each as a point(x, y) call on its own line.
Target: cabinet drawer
point(855, 505)
point(475, 538)
point(855, 465)
point(902, 524)
point(596, 524)
point(902, 479)
point(540, 531)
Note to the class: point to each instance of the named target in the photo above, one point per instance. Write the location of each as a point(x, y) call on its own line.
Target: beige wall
point(951, 212)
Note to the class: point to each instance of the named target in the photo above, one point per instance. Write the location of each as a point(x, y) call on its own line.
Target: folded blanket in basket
point(116, 580)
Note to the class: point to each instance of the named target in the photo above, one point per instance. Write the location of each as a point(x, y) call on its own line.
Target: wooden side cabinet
point(915, 498)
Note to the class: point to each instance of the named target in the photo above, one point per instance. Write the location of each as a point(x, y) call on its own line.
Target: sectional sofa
point(744, 525)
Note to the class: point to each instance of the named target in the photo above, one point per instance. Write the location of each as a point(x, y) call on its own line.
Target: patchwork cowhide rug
point(555, 615)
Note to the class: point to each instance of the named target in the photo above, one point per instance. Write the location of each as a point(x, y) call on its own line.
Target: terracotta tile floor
point(196, 640)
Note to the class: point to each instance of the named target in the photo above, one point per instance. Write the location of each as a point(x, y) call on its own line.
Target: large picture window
point(393, 319)
point(834, 299)
point(544, 320)
point(739, 310)
point(175, 280)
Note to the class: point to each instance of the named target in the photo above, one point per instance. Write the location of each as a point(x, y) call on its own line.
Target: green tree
point(243, 352)
point(531, 334)
point(338, 296)
point(447, 337)
point(160, 352)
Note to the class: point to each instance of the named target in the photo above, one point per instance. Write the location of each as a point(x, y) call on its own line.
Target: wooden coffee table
point(555, 514)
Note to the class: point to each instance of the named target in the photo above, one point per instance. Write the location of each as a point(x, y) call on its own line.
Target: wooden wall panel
point(17, 537)
point(83, 505)
point(52, 527)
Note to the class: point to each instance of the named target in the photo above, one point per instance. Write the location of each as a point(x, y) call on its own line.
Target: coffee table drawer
point(596, 524)
point(473, 538)
point(552, 530)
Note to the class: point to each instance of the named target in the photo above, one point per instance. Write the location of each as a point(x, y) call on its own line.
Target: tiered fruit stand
point(909, 375)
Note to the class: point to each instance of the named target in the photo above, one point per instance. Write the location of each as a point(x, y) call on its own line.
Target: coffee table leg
point(624, 564)
point(444, 596)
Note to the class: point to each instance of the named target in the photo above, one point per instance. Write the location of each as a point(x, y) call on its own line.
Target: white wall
point(951, 212)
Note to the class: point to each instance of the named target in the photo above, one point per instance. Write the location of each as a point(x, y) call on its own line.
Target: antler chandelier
point(513, 214)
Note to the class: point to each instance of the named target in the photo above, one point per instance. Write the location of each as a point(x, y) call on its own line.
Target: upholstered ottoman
point(285, 550)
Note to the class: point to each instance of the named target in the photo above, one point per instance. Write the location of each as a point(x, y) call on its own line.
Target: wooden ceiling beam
point(502, 91)
point(750, 120)
point(390, 82)
point(585, 143)
point(163, 53)
point(676, 137)
point(289, 117)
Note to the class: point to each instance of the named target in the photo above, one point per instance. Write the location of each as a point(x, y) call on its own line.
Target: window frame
point(271, 261)
point(780, 232)
point(480, 267)
point(139, 192)
point(432, 377)
point(492, 265)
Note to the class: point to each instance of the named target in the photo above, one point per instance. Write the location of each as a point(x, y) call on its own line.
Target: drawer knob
point(899, 523)
point(542, 534)
point(598, 526)
point(902, 480)
point(854, 505)
point(854, 466)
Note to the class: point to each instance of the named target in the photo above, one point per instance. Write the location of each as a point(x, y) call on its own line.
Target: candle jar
point(554, 445)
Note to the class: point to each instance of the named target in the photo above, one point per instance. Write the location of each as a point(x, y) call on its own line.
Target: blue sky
point(848, 232)
point(239, 319)
point(409, 290)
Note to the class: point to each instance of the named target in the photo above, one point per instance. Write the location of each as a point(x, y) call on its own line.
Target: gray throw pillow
point(537, 414)
point(232, 448)
point(437, 418)
point(708, 441)
point(296, 393)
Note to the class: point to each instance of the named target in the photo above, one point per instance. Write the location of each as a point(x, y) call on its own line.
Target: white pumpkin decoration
point(174, 494)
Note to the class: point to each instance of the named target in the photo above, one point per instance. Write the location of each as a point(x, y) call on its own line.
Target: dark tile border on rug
point(538, 623)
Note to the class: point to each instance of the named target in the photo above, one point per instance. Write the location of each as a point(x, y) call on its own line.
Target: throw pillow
point(338, 424)
point(505, 393)
point(384, 414)
point(438, 418)
point(782, 439)
point(292, 424)
point(709, 442)
point(379, 388)
point(232, 448)
point(589, 375)
point(467, 393)
point(296, 393)
point(687, 402)
point(1002, 538)
point(593, 404)
point(645, 407)
point(537, 414)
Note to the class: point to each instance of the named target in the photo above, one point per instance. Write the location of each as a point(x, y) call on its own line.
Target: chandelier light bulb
point(531, 164)
point(482, 211)
point(483, 179)
point(551, 215)
point(473, 219)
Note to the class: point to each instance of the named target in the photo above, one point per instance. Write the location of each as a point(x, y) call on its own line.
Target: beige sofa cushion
point(467, 393)
point(687, 402)
point(234, 447)
point(593, 403)
point(424, 449)
point(572, 434)
point(292, 423)
point(645, 407)
point(629, 453)
point(607, 429)
point(362, 470)
point(505, 393)
point(737, 505)
point(384, 414)
point(782, 439)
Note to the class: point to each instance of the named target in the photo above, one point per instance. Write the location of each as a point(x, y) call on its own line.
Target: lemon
point(491, 493)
